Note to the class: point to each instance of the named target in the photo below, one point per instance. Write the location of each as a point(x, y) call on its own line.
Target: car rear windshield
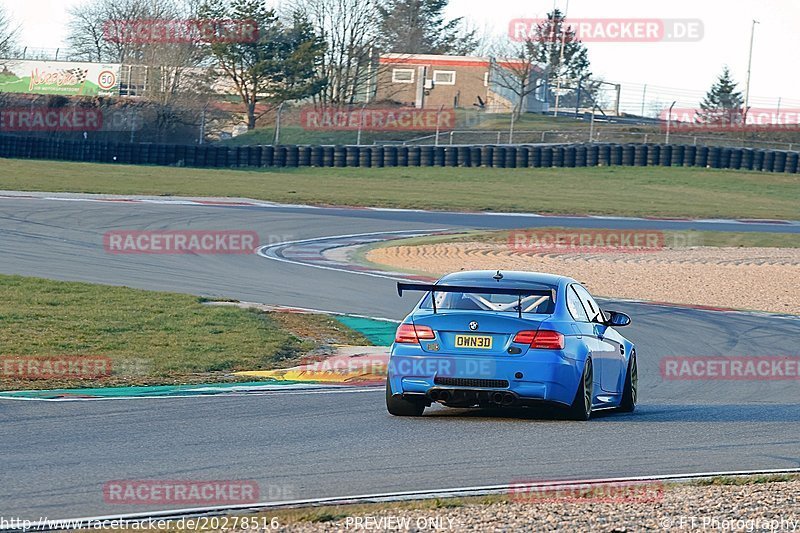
point(502, 303)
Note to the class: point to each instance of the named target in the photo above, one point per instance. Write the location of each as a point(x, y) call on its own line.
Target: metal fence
point(605, 135)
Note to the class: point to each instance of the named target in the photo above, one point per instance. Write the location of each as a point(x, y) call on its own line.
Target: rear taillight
point(525, 337)
point(409, 334)
point(542, 339)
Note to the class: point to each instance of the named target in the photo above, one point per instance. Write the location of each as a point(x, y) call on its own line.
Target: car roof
point(511, 278)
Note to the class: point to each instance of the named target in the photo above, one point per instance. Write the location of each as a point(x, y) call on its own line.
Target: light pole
point(277, 138)
point(561, 57)
point(749, 67)
point(438, 113)
point(360, 124)
point(669, 121)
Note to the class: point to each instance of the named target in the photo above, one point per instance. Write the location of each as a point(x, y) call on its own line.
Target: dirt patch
point(764, 279)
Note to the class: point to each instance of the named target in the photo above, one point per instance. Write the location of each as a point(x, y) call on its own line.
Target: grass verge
point(150, 337)
point(625, 191)
point(682, 238)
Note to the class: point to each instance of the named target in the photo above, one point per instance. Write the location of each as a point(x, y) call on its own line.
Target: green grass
point(642, 191)
point(468, 120)
point(150, 337)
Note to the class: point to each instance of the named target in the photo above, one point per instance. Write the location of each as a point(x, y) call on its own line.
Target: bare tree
point(350, 30)
point(516, 74)
point(96, 28)
point(171, 74)
point(8, 33)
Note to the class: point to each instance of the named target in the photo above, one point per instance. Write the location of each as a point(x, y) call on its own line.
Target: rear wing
point(519, 293)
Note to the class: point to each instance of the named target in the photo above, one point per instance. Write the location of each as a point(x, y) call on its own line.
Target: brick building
point(422, 80)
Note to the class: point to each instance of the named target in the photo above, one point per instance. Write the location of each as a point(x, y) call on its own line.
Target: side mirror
point(617, 319)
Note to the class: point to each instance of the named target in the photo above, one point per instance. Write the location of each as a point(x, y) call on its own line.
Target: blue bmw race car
point(490, 339)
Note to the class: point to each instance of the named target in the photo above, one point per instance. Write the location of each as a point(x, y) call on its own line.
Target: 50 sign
point(107, 80)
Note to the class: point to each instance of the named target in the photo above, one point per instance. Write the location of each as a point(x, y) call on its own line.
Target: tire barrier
point(475, 156)
point(628, 153)
point(426, 156)
point(535, 159)
point(451, 156)
point(327, 156)
point(402, 156)
point(376, 156)
point(339, 156)
point(592, 155)
point(292, 156)
point(414, 156)
point(487, 156)
point(365, 156)
point(640, 155)
point(499, 157)
point(792, 162)
point(390, 156)
point(316, 156)
point(304, 156)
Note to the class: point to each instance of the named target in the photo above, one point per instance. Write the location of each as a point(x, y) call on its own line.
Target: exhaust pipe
point(444, 396)
point(434, 395)
point(497, 397)
point(508, 398)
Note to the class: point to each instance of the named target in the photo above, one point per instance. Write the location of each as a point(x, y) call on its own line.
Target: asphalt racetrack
point(58, 455)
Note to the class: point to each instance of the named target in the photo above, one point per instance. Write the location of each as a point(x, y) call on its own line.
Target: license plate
point(480, 342)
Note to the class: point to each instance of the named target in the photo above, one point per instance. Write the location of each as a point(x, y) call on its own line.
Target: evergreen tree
point(723, 103)
point(544, 46)
point(419, 27)
point(280, 64)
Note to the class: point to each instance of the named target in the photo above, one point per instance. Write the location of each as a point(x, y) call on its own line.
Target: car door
point(584, 329)
point(606, 354)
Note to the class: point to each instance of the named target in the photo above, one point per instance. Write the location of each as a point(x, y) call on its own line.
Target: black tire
point(630, 394)
point(398, 406)
point(581, 408)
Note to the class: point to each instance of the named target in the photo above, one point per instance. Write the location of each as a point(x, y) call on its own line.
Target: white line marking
point(264, 250)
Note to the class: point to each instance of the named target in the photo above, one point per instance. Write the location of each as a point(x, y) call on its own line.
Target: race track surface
point(57, 456)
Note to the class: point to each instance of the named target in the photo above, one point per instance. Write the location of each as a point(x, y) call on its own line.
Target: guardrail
point(495, 156)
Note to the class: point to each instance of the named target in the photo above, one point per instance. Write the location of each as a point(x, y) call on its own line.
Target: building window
point(444, 77)
point(486, 80)
point(403, 75)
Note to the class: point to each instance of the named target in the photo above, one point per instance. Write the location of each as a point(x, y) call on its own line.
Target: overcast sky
point(691, 67)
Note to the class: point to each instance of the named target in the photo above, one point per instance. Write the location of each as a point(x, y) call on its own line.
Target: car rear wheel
point(630, 394)
point(581, 408)
point(398, 406)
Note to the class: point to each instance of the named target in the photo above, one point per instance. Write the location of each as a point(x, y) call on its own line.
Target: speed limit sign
point(106, 80)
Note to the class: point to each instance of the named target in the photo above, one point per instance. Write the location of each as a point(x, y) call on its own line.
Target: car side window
point(575, 306)
point(591, 307)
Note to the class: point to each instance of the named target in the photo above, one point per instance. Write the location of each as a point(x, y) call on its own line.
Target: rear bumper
point(541, 377)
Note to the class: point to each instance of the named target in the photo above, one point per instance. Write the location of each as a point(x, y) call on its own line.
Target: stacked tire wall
point(377, 156)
